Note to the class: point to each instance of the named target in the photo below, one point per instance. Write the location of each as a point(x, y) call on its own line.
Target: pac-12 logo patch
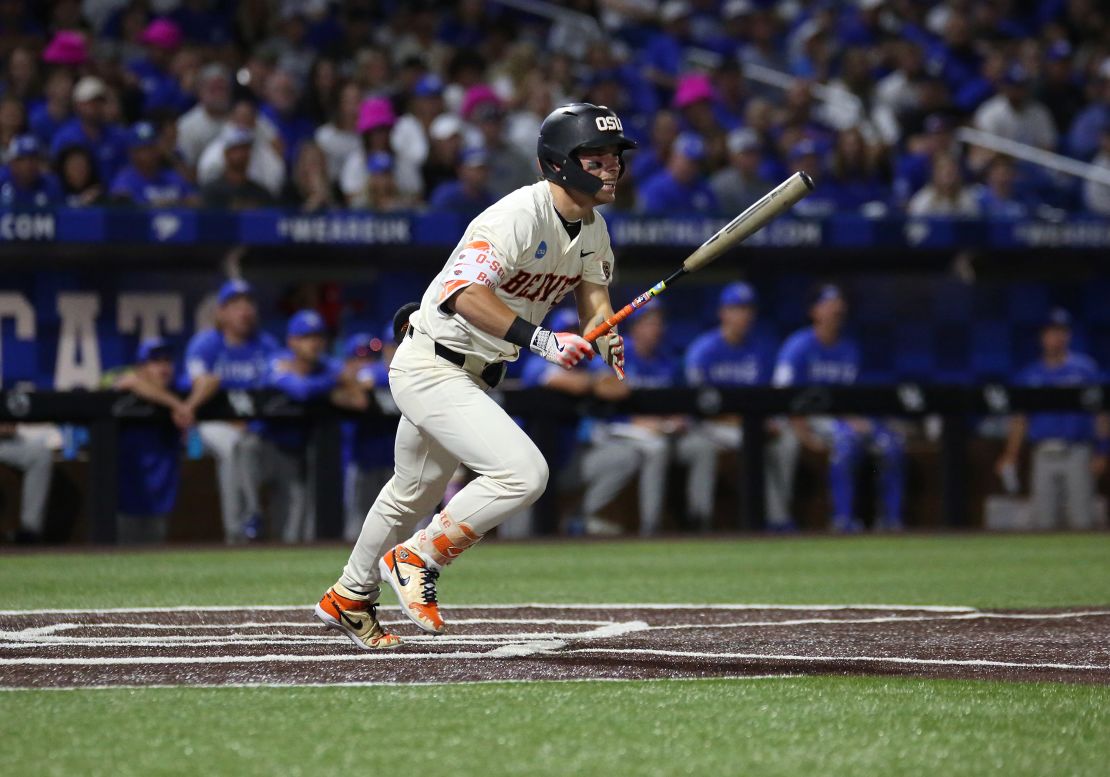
point(541, 249)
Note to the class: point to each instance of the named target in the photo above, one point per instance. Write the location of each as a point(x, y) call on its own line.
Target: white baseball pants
point(447, 419)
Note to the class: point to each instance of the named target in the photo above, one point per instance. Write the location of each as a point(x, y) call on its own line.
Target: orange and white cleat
point(355, 616)
point(413, 579)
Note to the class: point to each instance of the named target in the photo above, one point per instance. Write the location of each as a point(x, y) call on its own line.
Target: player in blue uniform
point(647, 439)
point(233, 355)
point(23, 182)
point(1069, 449)
point(598, 471)
point(149, 454)
point(276, 453)
point(368, 444)
point(732, 355)
point(147, 181)
point(821, 354)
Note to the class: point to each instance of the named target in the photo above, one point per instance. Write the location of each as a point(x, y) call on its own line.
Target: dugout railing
point(546, 413)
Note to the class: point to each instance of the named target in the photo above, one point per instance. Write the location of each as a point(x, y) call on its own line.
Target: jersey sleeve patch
point(475, 263)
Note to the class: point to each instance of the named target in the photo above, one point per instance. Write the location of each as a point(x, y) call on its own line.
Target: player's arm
point(477, 303)
point(152, 392)
point(594, 306)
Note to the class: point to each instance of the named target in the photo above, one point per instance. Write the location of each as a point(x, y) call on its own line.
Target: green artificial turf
point(977, 570)
point(799, 726)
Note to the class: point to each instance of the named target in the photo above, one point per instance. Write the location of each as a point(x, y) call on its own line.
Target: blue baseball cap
point(691, 146)
point(1060, 50)
point(305, 323)
point(738, 293)
point(1016, 75)
point(23, 145)
point(142, 133)
point(474, 157)
point(1058, 317)
point(232, 289)
point(824, 293)
point(153, 348)
point(363, 345)
point(428, 86)
point(238, 136)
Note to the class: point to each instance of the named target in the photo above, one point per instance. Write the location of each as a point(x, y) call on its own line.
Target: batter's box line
point(959, 616)
point(516, 606)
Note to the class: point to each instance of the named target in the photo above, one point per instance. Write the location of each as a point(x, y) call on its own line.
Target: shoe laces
point(428, 583)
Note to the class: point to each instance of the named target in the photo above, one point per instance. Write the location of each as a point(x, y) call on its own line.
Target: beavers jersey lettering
point(518, 248)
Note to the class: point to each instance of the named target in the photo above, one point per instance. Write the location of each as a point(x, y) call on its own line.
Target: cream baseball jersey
point(519, 248)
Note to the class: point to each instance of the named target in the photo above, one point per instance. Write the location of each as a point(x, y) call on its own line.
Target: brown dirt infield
point(224, 646)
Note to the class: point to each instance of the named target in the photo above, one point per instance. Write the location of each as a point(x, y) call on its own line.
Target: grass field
point(775, 726)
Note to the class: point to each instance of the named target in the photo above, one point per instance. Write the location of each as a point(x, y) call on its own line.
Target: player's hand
point(183, 416)
point(614, 350)
point(562, 348)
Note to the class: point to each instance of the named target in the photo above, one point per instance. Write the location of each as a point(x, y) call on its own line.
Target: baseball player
point(149, 454)
point(821, 354)
point(276, 452)
point(1064, 465)
point(731, 355)
point(234, 355)
point(516, 261)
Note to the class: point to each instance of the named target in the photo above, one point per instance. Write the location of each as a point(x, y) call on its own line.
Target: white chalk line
point(839, 659)
point(522, 606)
point(884, 619)
point(400, 684)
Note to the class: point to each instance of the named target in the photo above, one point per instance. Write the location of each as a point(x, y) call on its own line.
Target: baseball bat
point(757, 215)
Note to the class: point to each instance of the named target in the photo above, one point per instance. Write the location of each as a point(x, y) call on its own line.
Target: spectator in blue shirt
point(468, 194)
point(999, 197)
point(823, 355)
point(1085, 130)
point(147, 181)
point(151, 72)
point(48, 116)
point(280, 107)
point(681, 188)
point(732, 355)
point(149, 454)
point(23, 181)
point(277, 453)
point(90, 129)
point(1069, 449)
point(233, 355)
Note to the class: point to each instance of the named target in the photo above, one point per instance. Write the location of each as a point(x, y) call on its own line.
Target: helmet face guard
point(571, 129)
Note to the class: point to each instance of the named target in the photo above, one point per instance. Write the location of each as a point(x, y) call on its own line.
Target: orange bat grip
point(609, 323)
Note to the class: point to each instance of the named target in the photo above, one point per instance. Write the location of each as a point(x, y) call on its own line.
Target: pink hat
point(374, 113)
point(692, 88)
point(162, 34)
point(477, 95)
point(67, 47)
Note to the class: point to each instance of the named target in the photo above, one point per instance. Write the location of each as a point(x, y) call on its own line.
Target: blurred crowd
point(389, 105)
point(265, 468)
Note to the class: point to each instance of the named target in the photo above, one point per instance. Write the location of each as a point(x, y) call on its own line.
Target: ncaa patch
point(541, 249)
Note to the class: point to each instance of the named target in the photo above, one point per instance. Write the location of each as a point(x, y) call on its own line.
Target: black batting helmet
point(570, 129)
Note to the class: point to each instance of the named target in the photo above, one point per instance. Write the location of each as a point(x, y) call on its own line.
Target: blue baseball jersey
point(804, 360)
point(324, 376)
point(712, 360)
point(367, 444)
point(109, 150)
point(165, 187)
point(238, 367)
point(44, 192)
point(1076, 370)
point(148, 470)
point(656, 371)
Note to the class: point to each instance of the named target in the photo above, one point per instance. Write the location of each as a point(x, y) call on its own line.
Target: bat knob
point(806, 179)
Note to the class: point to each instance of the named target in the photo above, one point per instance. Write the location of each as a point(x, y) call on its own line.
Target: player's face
point(647, 331)
point(308, 348)
point(239, 316)
point(736, 320)
point(603, 163)
point(830, 312)
point(1055, 340)
point(158, 370)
